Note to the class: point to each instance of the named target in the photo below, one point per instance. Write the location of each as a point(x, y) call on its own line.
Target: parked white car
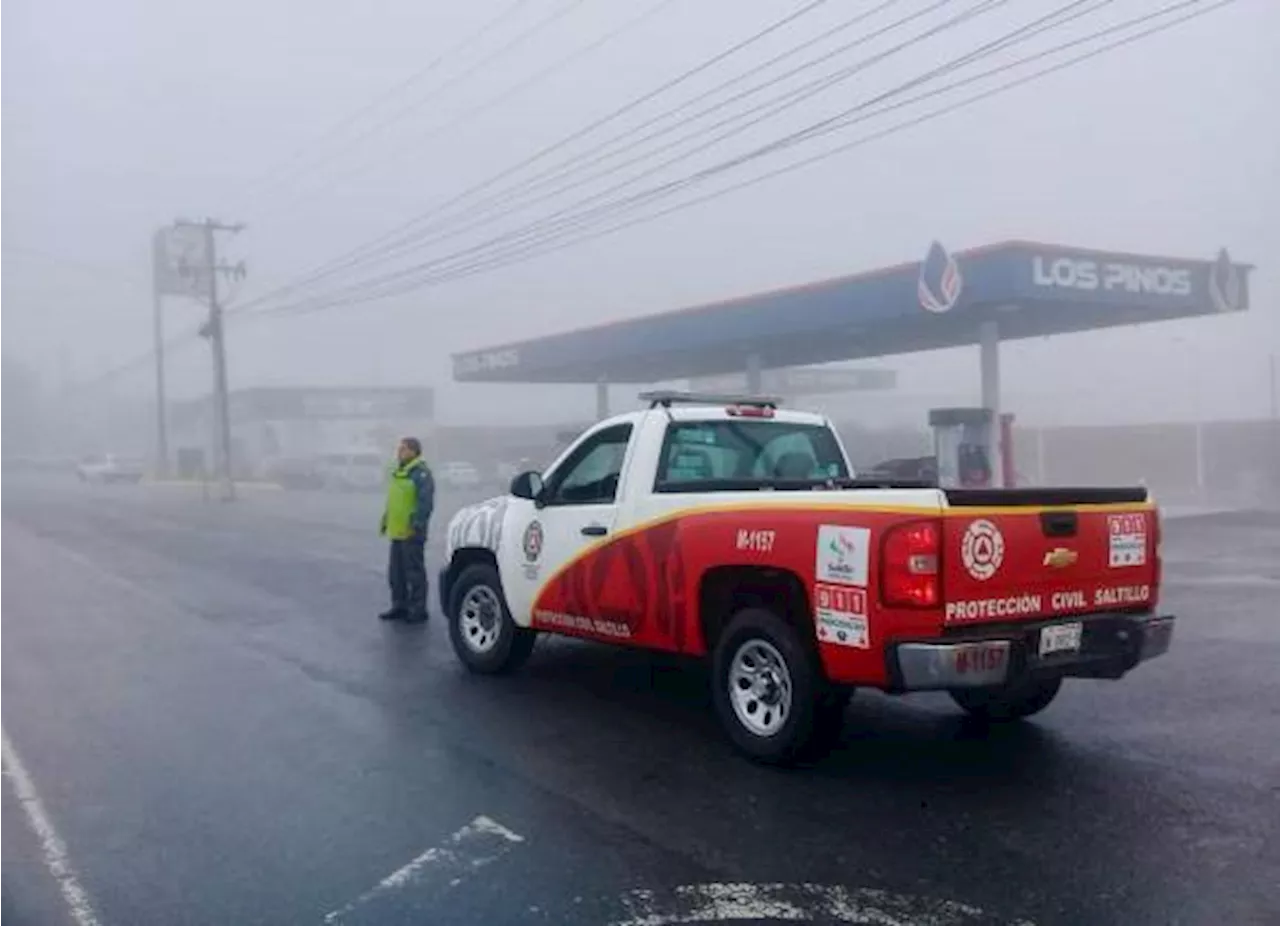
point(108, 468)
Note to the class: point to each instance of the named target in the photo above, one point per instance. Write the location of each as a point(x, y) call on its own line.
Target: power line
point(336, 130)
point(474, 214)
point(320, 303)
point(1053, 20)
point(769, 29)
point(526, 250)
point(325, 269)
point(836, 123)
point(774, 107)
point(866, 139)
point(546, 21)
point(768, 109)
point(521, 86)
point(481, 265)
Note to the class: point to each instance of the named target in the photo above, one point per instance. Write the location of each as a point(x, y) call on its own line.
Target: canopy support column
point(602, 399)
point(753, 374)
point(989, 360)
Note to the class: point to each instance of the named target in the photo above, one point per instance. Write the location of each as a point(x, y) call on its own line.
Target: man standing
point(410, 496)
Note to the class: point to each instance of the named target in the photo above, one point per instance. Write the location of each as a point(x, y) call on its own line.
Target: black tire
point(796, 726)
point(477, 589)
point(1008, 703)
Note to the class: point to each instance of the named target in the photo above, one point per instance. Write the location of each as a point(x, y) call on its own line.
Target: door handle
point(595, 530)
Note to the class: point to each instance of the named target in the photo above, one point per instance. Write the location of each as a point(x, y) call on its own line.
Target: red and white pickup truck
point(729, 528)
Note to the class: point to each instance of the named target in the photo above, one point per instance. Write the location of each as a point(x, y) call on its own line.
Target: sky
point(324, 126)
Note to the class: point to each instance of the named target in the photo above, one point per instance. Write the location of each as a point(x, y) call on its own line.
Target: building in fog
point(273, 427)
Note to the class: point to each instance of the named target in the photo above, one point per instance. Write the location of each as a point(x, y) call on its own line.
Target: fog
point(325, 126)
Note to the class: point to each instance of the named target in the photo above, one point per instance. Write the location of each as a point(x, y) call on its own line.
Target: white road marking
point(52, 847)
point(803, 903)
point(480, 842)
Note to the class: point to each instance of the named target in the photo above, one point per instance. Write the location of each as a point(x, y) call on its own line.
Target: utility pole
point(214, 331)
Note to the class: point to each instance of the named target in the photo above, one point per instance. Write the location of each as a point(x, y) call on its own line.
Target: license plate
point(1060, 638)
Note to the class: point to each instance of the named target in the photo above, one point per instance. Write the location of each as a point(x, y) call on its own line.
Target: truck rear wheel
point(483, 634)
point(1008, 703)
point(766, 687)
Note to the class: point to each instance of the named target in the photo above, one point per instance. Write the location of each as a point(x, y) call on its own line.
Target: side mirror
point(527, 486)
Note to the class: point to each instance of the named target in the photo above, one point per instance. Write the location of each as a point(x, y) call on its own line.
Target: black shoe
point(394, 614)
point(416, 617)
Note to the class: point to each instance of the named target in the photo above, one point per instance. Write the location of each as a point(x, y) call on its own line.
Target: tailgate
point(1025, 555)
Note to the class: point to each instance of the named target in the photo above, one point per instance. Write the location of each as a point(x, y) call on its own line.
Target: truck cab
point(730, 528)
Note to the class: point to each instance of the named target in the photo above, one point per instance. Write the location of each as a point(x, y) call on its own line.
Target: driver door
point(577, 508)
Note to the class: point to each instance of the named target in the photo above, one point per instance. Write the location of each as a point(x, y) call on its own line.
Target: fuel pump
point(962, 442)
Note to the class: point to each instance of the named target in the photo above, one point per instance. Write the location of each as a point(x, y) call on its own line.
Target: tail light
point(909, 574)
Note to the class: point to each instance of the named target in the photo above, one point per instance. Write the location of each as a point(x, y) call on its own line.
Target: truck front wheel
point(1012, 702)
point(766, 687)
point(483, 634)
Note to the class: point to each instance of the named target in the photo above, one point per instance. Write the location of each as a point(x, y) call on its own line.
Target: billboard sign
point(179, 261)
point(797, 381)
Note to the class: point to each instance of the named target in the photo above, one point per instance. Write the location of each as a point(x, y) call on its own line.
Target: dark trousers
point(407, 575)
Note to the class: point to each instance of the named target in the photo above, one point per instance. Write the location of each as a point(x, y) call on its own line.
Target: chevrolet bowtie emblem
point(1061, 558)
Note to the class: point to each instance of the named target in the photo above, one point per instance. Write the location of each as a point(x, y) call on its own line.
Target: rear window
point(699, 452)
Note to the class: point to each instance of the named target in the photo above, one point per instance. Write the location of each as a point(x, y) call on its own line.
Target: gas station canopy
point(1015, 289)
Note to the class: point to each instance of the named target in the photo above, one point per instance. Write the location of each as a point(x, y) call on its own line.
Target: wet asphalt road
point(220, 732)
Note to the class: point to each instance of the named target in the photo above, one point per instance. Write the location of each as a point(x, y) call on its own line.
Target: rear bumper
point(978, 657)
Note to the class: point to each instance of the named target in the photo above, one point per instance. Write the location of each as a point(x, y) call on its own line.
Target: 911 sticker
point(841, 616)
point(1128, 543)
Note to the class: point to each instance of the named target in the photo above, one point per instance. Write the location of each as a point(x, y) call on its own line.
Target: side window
point(591, 473)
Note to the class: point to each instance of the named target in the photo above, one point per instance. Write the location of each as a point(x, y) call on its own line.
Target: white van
point(354, 472)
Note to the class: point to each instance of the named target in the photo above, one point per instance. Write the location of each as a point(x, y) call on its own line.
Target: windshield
point(698, 452)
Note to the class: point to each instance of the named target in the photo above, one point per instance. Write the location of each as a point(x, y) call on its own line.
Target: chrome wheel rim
point(760, 687)
point(480, 619)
